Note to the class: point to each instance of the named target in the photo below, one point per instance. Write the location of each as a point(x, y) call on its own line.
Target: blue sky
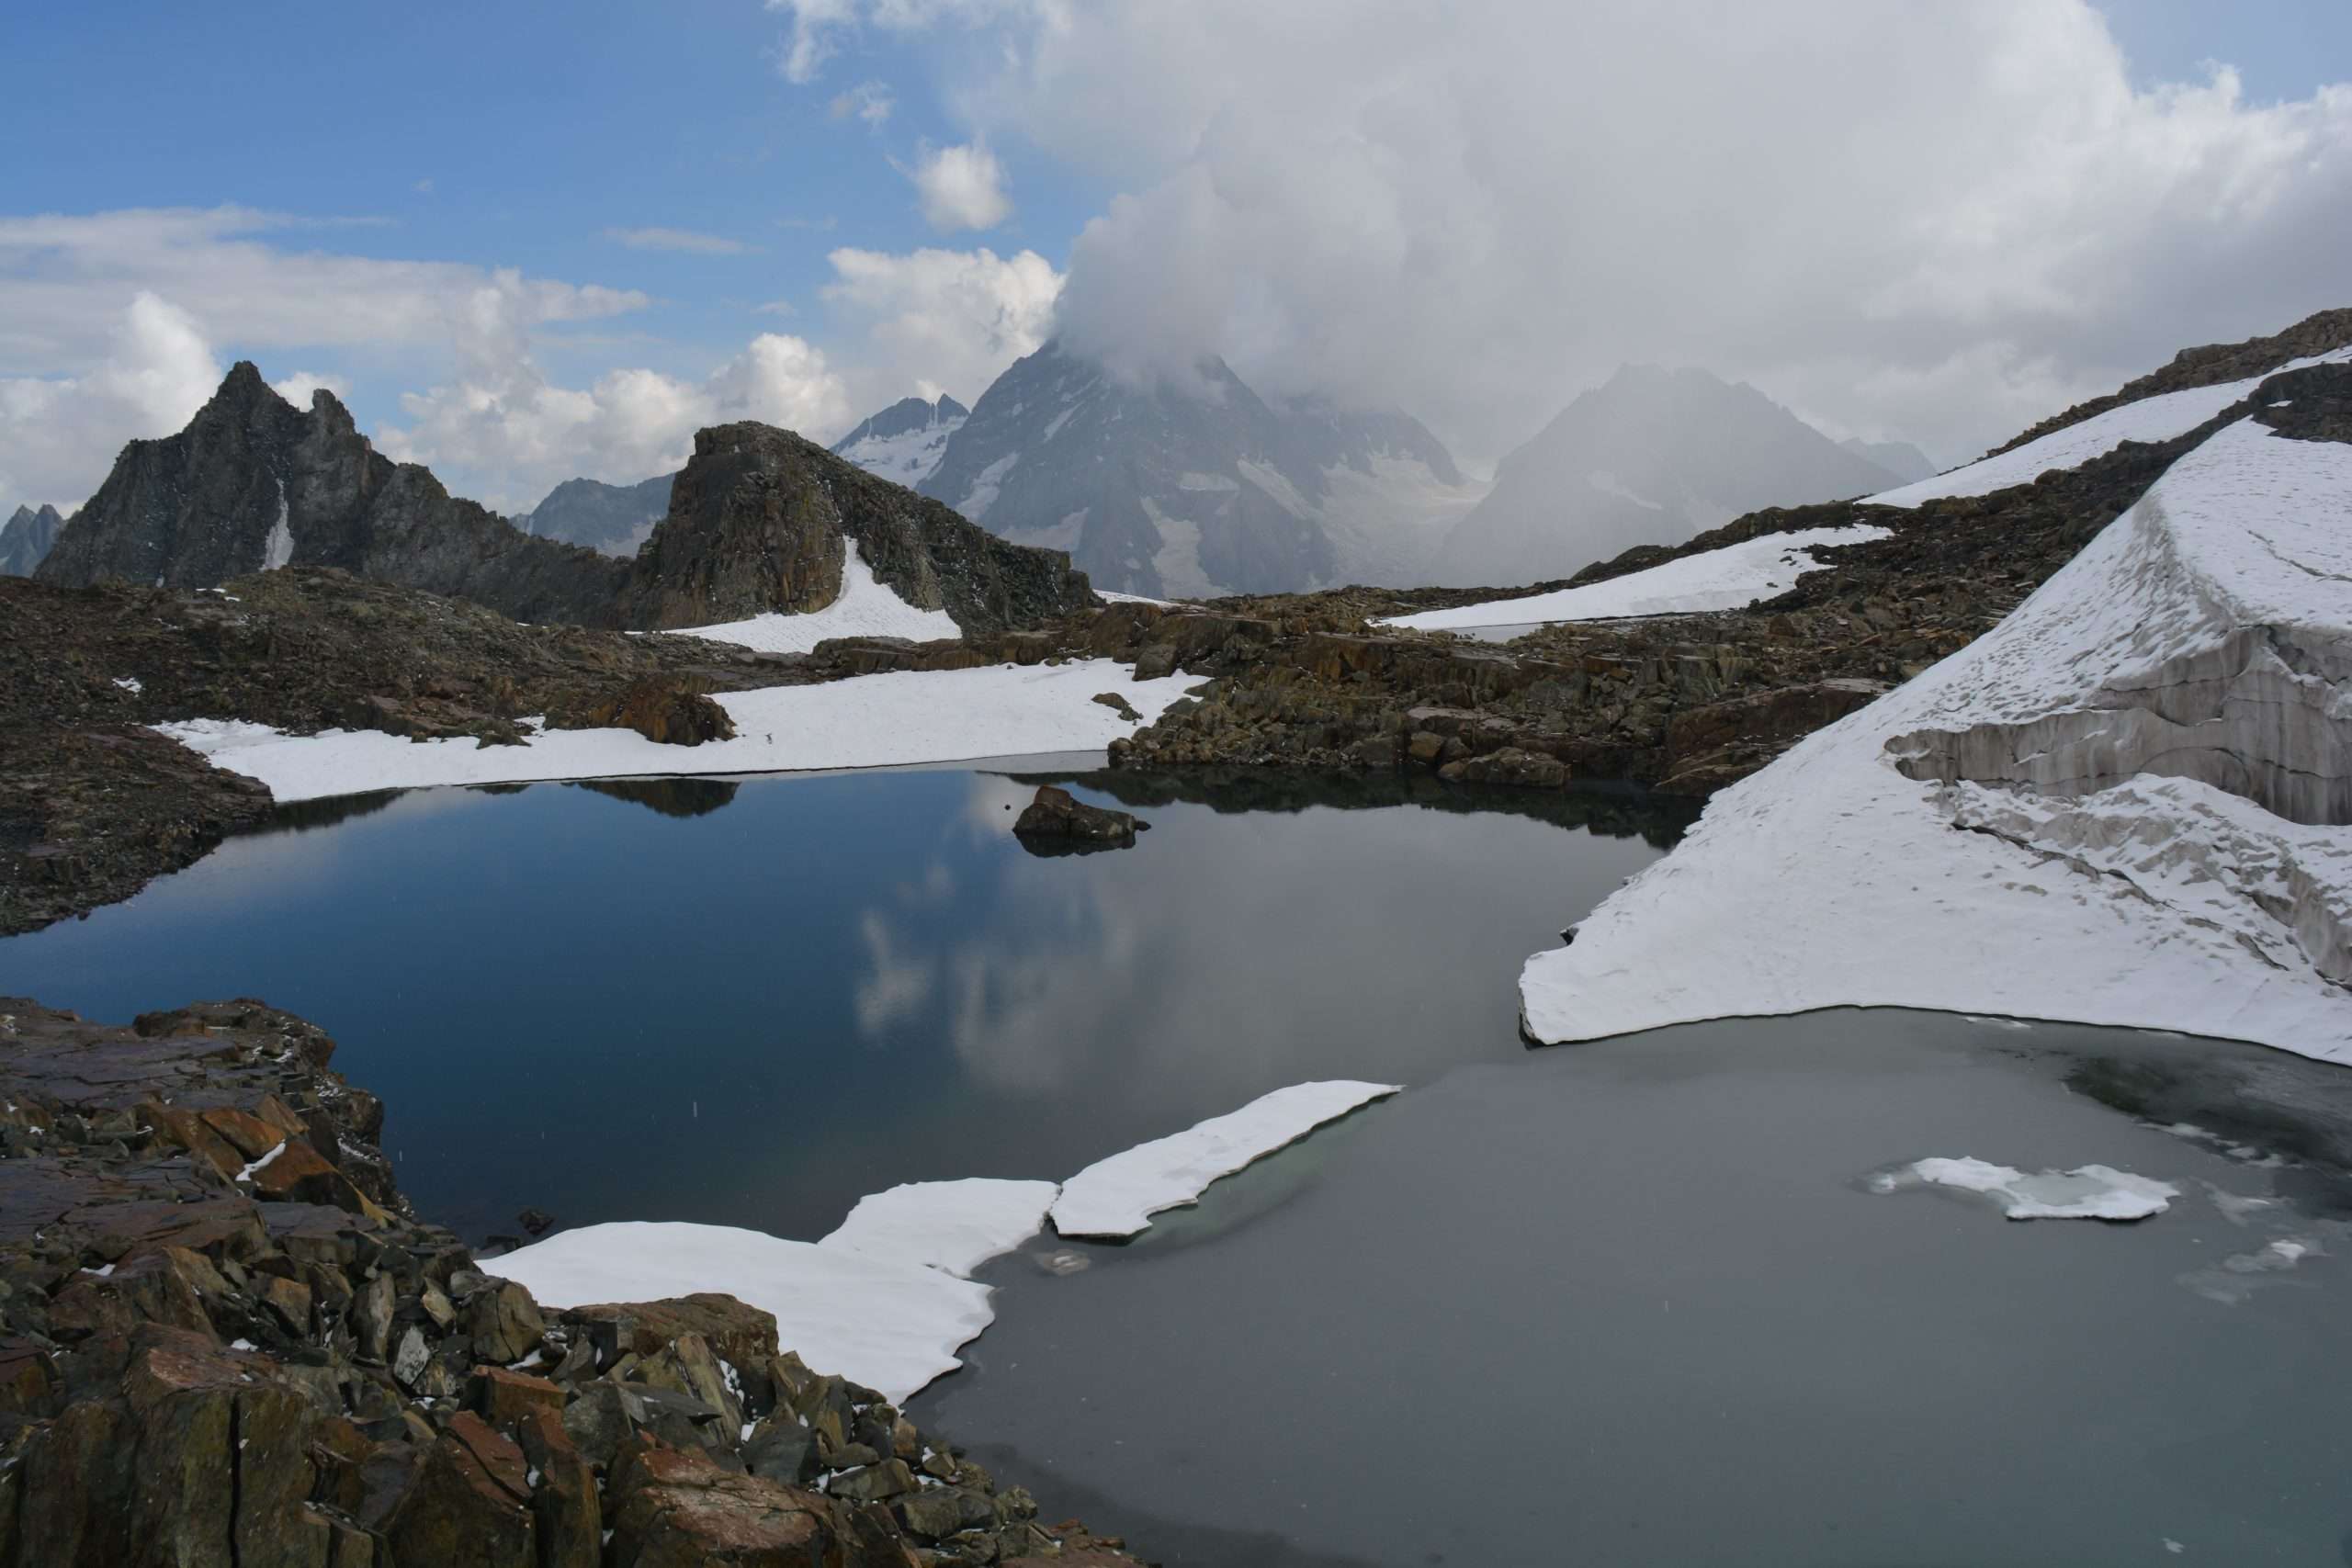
point(527, 136)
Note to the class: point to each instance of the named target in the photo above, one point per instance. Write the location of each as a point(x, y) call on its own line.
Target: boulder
point(672, 1508)
point(668, 710)
point(1059, 819)
point(469, 1506)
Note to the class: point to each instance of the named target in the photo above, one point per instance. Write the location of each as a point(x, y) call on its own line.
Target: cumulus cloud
point(1476, 211)
point(505, 432)
point(115, 319)
point(940, 320)
point(296, 389)
point(685, 240)
point(960, 188)
point(157, 372)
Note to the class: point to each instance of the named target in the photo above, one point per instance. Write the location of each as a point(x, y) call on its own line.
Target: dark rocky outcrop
point(25, 538)
point(756, 523)
point(668, 710)
point(1059, 822)
point(226, 1339)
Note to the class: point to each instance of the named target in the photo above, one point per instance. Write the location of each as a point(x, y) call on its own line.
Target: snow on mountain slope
point(865, 607)
point(614, 519)
point(1199, 489)
point(2125, 804)
point(1725, 579)
point(904, 442)
point(2159, 418)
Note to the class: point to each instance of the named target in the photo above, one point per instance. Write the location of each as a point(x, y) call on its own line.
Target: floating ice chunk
point(892, 1326)
point(955, 1226)
point(2086, 1192)
point(1117, 1197)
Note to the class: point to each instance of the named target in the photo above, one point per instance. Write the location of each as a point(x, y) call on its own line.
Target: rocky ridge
point(756, 523)
point(226, 1339)
point(25, 538)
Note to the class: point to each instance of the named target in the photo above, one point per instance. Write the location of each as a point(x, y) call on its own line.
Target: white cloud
point(1478, 211)
point(677, 239)
point(296, 389)
point(869, 101)
point(57, 433)
point(945, 320)
point(115, 319)
point(506, 435)
point(960, 188)
point(814, 24)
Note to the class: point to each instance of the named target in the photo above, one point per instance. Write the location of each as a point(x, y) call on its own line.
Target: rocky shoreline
point(225, 1338)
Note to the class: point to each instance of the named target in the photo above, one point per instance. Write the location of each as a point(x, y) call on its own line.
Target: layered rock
point(225, 1339)
point(756, 523)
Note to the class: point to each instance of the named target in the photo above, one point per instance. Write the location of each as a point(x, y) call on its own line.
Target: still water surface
point(1631, 1302)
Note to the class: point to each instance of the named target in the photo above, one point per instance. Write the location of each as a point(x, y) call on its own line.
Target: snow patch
point(2014, 825)
point(891, 1324)
point(1117, 1197)
point(1727, 578)
point(983, 494)
point(130, 684)
point(279, 550)
point(955, 1226)
point(865, 607)
point(892, 719)
point(908, 457)
point(2159, 418)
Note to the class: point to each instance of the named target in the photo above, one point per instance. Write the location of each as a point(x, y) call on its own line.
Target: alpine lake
point(1635, 1301)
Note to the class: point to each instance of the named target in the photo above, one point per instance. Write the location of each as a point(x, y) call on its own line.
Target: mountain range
point(26, 537)
point(613, 520)
point(759, 520)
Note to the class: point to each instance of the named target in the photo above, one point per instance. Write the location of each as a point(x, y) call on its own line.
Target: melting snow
point(2160, 417)
point(904, 716)
point(1117, 1197)
point(130, 684)
point(2086, 1192)
point(955, 1226)
point(865, 607)
point(1725, 579)
point(279, 551)
point(1832, 879)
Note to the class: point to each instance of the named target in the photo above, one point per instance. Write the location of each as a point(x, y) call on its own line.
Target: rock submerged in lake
point(1057, 822)
point(198, 1365)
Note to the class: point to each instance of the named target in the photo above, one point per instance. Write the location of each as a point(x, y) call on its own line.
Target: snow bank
point(2123, 806)
point(890, 1324)
point(1727, 578)
point(2160, 417)
point(2086, 1192)
point(1117, 1197)
point(865, 607)
point(868, 721)
point(955, 1226)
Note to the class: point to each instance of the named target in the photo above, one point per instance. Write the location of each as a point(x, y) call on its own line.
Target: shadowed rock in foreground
point(225, 1339)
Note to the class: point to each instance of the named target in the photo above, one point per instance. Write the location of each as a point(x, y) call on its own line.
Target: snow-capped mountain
point(1202, 489)
point(1651, 456)
point(614, 519)
point(904, 443)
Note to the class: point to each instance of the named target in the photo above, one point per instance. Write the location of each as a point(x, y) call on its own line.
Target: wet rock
point(1057, 818)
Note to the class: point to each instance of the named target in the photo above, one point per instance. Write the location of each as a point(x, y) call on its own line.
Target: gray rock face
point(1650, 457)
point(756, 523)
point(1188, 490)
point(904, 442)
point(612, 520)
point(26, 537)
